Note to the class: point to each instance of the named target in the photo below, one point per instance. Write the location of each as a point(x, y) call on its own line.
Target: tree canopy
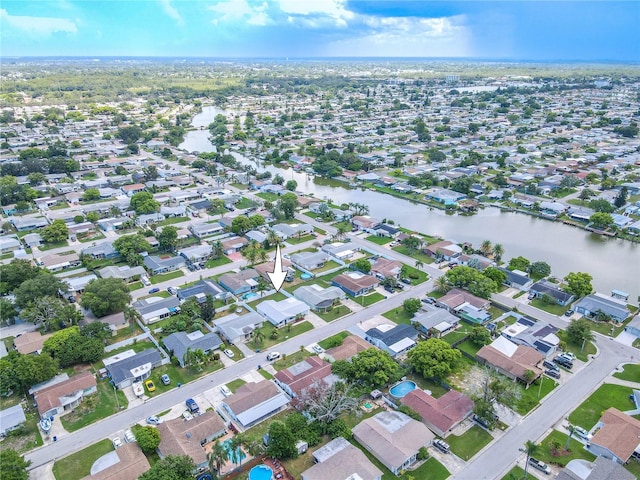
point(579, 330)
point(472, 280)
point(374, 368)
point(56, 232)
point(578, 283)
point(434, 358)
point(130, 247)
point(143, 203)
point(12, 465)
point(282, 443)
point(104, 296)
point(148, 438)
point(171, 467)
point(44, 284)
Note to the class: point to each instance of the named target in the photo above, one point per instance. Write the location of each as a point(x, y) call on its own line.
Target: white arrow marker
point(277, 276)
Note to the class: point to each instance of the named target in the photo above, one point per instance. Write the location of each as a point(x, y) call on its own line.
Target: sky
point(515, 29)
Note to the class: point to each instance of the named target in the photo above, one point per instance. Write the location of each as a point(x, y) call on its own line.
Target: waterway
point(613, 263)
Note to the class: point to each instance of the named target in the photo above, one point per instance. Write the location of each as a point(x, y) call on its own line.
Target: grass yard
point(27, 436)
point(284, 333)
point(630, 373)
point(51, 246)
point(276, 297)
point(265, 374)
point(458, 334)
point(166, 276)
point(269, 197)
point(291, 359)
point(173, 220)
point(95, 407)
point(416, 276)
point(301, 239)
point(576, 449)
point(378, 240)
point(233, 385)
point(469, 443)
point(469, 347)
point(608, 395)
point(135, 286)
point(577, 350)
point(529, 397)
point(436, 389)
point(216, 262)
point(417, 256)
point(329, 265)
point(367, 300)
point(398, 315)
point(245, 203)
point(606, 328)
point(516, 473)
point(333, 340)
point(179, 375)
point(78, 465)
point(553, 309)
point(335, 313)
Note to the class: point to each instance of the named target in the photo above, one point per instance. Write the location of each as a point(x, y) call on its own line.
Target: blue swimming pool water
point(234, 456)
point(260, 472)
point(305, 276)
point(249, 295)
point(401, 389)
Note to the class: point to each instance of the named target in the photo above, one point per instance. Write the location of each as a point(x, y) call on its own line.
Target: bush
point(414, 276)
point(423, 454)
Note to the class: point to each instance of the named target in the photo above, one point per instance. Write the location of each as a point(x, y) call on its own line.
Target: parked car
point(441, 445)
point(192, 405)
point(225, 391)
point(165, 379)
point(150, 385)
point(318, 349)
point(569, 312)
point(549, 365)
point(172, 290)
point(531, 296)
point(116, 442)
point(429, 300)
point(129, 436)
point(537, 464)
point(581, 433)
point(154, 290)
point(273, 356)
point(482, 422)
point(154, 420)
point(564, 362)
point(406, 280)
point(399, 286)
point(228, 353)
point(389, 289)
point(568, 355)
point(552, 373)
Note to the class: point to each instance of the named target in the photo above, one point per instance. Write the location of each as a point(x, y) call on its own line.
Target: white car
point(225, 391)
point(581, 433)
point(116, 442)
point(228, 353)
point(273, 356)
point(318, 349)
point(129, 436)
point(154, 420)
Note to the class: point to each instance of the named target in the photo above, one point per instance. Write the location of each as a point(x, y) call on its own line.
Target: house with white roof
point(283, 312)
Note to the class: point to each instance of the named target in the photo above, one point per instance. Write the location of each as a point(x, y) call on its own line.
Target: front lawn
point(233, 385)
point(78, 465)
point(516, 473)
point(268, 196)
point(95, 407)
point(378, 240)
point(553, 309)
point(418, 256)
point(577, 350)
point(179, 375)
point(288, 360)
point(166, 276)
point(416, 276)
point(607, 328)
point(333, 340)
point(335, 313)
point(245, 203)
point(366, 300)
point(529, 398)
point(630, 373)
point(27, 436)
point(284, 333)
point(607, 396)
point(301, 239)
point(576, 450)
point(216, 262)
point(278, 296)
point(173, 220)
point(469, 443)
point(329, 265)
point(398, 315)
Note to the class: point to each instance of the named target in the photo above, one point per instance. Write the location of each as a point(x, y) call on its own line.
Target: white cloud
point(316, 13)
point(171, 11)
point(37, 26)
point(240, 10)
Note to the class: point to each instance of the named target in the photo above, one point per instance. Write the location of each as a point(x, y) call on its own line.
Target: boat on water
point(45, 425)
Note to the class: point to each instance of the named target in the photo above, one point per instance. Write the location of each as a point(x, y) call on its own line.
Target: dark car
point(406, 280)
point(482, 422)
point(399, 286)
point(389, 289)
point(569, 312)
point(154, 290)
point(552, 373)
point(192, 405)
point(563, 362)
point(549, 365)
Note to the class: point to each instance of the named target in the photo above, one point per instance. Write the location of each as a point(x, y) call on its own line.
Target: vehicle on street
point(192, 405)
point(165, 379)
point(154, 420)
point(150, 385)
point(225, 391)
point(552, 373)
point(441, 445)
point(273, 356)
point(129, 436)
point(228, 353)
point(318, 349)
point(154, 290)
point(116, 442)
point(172, 290)
point(537, 464)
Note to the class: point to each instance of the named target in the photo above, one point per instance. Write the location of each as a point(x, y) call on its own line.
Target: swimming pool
point(368, 405)
point(305, 276)
point(249, 295)
point(260, 472)
point(235, 456)
point(402, 388)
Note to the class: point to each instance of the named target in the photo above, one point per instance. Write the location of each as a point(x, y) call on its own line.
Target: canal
point(614, 263)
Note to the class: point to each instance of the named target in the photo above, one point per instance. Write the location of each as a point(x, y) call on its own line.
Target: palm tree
point(273, 238)
point(263, 256)
point(498, 251)
point(419, 264)
point(258, 338)
point(235, 448)
point(485, 248)
point(342, 230)
point(571, 429)
point(217, 249)
point(530, 448)
point(442, 284)
point(262, 286)
point(217, 457)
point(255, 448)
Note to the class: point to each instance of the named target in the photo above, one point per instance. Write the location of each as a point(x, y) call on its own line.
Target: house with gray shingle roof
point(156, 265)
point(179, 342)
point(593, 305)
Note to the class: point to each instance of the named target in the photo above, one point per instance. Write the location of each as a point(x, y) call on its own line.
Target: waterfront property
point(543, 287)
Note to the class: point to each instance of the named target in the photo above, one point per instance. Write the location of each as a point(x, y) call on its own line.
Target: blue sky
point(541, 30)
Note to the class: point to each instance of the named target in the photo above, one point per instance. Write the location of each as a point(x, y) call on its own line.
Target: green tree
point(480, 336)
point(130, 134)
point(291, 185)
point(472, 280)
point(104, 296)
point(530, 448)
point(92, 217)
point(601, 205)
point(45, 284)
point(578, 283)
point(519, 263)
point(287, 204)
point(373, 368)
point(494, 274)
point(148, 438)
point(434, 358)
point(486, 248)
point(241, 225)
point(539, 269)
point(167, 238)
point(207, 309)
point(143, 203)
point(442, 284)
point(8, 311)
point(171, 467)
point(91, 194)
point(411, 305)
point(282, 443)
point(12, 465)
point(579, 331)
point(497, 252)
point(56, 232)
point(621, 198)
point(130, 247)
point(601, 220)
point(362, 264)
point(571, 429)
point(98, 330)
point(51, 312)
point(32, 369)
point(217, 457)
point(150, 173)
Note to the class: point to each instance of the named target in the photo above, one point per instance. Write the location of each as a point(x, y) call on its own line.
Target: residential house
point(393, 339)
point(203, 230)
point(64, 396)
point(383, 268)
point(633, 327)
point(298, 377)
point(255, 402)
point(56, 262)
point(238, 328)
point(445, 196)
point(201, 289)
point(22, 224)
point(196, 253)
point(130, 190)
point(393, 438)
point(180, 437)
point(149, 218)
point(179, 342)
point(102, 250)
point(318, 298)
point(365, 223)
point(354, 283)
point(10, 419)
point(341, 251)
point(350, 346)
point(597, 304)
point(474, 260)
point(30, 342)
point(467, 306)
point(234, 244)
point(241, 282)
point(124, 272)
point(131, 464)
point(517, 279)
point(543, 287)
point(617, 436)
point(31, 240)
point(339, 459)
point(128, 367)
point(295, 230)
point(600, 469)
point(9, 243)
point(443, 250)
point(434, 321)
point(156, 265)
point(283, 312)
point(510, 359)
point(112, 224)
point(440, 415)
point(528, 332)
point(269, 267)
point(78, 284)
point(310, 260)
point(154, 309)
